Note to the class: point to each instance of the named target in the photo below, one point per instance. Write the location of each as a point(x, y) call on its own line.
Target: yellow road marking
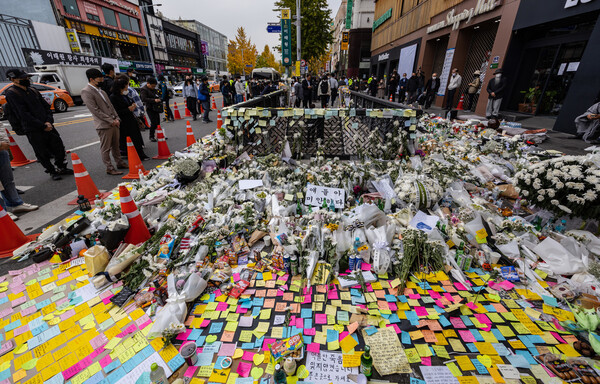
point(83, 120)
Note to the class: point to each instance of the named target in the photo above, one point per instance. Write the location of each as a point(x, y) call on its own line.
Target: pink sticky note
point(467, 336)
point(421, 311)
point(472, 306)
point(239, 309)
point(396, 327)
point(190, 371)
point(184, 335)
point(105, 361)
point(236, 277)
point(482, 318)
point(222, 306)
point(307, 299)
point(457, 322)
point(310, 331)
point(299, 323)
point(248, 356)
point(392, 307)
point(227, 349)
point(147, 323)
point(307, 291)
point(557, 337)
point(426, 360)
point(313, 347)
point(343, 334)
point(320, 318)
point(365, 267)
point(434, 294)
point(204, 323)
point(266, 342)
point(459, 286)
point(448, 297)
point(243, 369)
point(332, 295)
point(506, 285)
point(414, 296)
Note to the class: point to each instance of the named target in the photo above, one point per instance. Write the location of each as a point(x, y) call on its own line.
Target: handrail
point(271, 100)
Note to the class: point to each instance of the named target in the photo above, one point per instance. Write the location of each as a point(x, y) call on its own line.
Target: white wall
point(362, 14)
point(51, 37)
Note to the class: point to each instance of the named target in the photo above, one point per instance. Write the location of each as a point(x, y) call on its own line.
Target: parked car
point(214, 86)
point(68, 77)
point(59, 99)
point(178, 89)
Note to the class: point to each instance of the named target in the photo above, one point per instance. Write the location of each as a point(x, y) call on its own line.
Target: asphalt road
point(79, 136)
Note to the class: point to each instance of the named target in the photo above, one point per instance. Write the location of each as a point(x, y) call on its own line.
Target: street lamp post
point(298, 30)
point(150, 47)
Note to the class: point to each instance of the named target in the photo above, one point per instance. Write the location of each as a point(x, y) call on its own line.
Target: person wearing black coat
point(129, 123)
point(411, 87)
point(393, 85)
point(307, 89)
point(150, 98)
point(495, 90)
point(431, 89)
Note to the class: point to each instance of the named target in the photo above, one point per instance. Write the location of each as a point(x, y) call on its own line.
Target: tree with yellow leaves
point(241, 55)
point(266, 59)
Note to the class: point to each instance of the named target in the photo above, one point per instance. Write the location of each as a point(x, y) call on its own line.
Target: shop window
point(135, 24)
point(70, 7)
point(125, 23)
point(92, 17)
point(109, 17)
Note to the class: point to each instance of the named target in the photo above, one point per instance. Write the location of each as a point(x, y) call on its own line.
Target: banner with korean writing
point(316, 195)
point(40, 57)
point(286, 37)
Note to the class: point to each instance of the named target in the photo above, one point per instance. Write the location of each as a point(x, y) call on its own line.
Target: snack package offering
point(166, 246)
point(558, 366)
point(587, 374)
point(282, 348)
point(510, 274)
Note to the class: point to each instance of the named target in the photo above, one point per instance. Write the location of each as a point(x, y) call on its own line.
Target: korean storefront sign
point(286, 37)
point(40, 57)
point(454, 19)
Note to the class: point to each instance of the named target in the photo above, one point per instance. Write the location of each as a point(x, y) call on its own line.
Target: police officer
point(32, 112)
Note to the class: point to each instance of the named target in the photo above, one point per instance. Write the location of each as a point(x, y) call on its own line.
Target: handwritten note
point(315, 196)
point(327, 367)
point(388, 354)
point(438, 375)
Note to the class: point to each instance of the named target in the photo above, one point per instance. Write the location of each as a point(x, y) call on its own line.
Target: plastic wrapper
point(172, 313)
point(193, 287)
point(285, 347)
point(381, 251)
point(558, 260)
point(96, 259)
point(592, 242)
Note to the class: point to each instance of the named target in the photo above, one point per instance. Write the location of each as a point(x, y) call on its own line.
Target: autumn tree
point(241, 55)
point(266, 59)
point(316, 33)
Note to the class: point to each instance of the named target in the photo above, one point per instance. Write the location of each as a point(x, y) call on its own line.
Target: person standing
point(133, 80)
point(32, 113)
point(297, 89)
point(324, 91)
point(393, 85)
point(154, 107)
point(109, 77)
point(204, 97)
point(333, 85)
point(402, 88)
point(163, 90)
point(588, 125)
point(381, 90)
point(9, 195)
point(431, 90)
point(453, 84)
point(106, 120)
point(240, 91)
point(411, 87)
point(307, 88)
point(421, 81)
point(190, 92)
point(129, 123)
point(227, 94)
point(473, 89)
point(495, 90)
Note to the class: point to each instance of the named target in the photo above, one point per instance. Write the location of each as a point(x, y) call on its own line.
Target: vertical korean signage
point(349, 7)
point(345, 40)
point(286, 40)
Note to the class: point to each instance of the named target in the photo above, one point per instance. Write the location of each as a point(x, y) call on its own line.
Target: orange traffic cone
point(461, 103)
point(201, 110)
point(219, 120)
point(163, 148)
point(187, 111)
point(146, 121)
point(11, 236)
point(189, 134)
point(244, 97)
point(84, 182)
point(138, 231)
point(176, 114)
point(390, 97)
point(135, 165)
point(214, 105)
point(19, 159)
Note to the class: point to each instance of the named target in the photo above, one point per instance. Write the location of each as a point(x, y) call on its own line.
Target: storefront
point(110, 28)
point(183, 49)
point(553, 60)
point(472, 35)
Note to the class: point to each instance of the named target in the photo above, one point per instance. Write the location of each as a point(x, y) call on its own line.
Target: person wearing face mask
point(402, 88)
point(125, 107)
point(473, 89)
point(106, 120)
point(453, 85)
point(495, 90)
point(431, 89)
point(154, 106)
point(33, 114)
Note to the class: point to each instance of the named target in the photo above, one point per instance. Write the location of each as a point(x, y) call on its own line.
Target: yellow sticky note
point(112, 343)
point(454, 369)
point(353, 360)
point(348, 343)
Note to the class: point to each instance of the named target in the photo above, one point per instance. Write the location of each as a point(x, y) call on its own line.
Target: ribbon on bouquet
point(357, 224)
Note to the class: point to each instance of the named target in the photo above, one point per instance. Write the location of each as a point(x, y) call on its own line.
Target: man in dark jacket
point(307, 89)
point(109, 78)
point(402, 88)
point(151, 99)
point(411, 87)
point(393, 85)
point(33, 113)
point(204, 98)
point(431, 89)
point(495, 90)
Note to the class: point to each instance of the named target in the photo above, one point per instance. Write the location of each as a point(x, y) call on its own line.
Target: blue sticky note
point(244, 380)
point(393, 318)
point(176, 362)
point(147, 352)
point(444, 322)
point(308, 323)
point(550, 300)
point(466, 320)
point(258, 301)
point(390, 298)
point(358, 300)
point(501, 349)
point(112, 366)
point(490, 308)
point(525, 340)
point(355, 292)
point(536, 339)
point(194, 334)
point(498, 335)
point(414, 380)
point(412, 317)
point(518, 361)
point(403, 299)
point(481, 369)
point(256, 311)
point(306, 313)
point(307, 339)
point(332, 335)
point(438, 309)
point(117, 375)
point(144, 378)
point(204, 358)
point(527, 356)
point(259, 342)
point(476, 335)
point(248, 346)
point(472, 348)
point(13, 325)
point(200, 340)
point(40, 329)
point(215, 328)
point(6, 374)
point(371, 330)
point(405, 338)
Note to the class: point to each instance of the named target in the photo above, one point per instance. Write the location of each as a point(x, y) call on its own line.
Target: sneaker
point(153, 139)
point(56, 176)
point(13, 217)
point(65, 171)
point(24, 208)
point(113, 172)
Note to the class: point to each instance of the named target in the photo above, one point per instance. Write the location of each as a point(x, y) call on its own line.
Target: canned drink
point(294, 265)
point(358, 262)
point(352, 262)
point(460, 260)
point(467, 263)
point(286, 262)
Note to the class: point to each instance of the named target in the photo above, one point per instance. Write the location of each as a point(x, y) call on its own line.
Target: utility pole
point(298, 30)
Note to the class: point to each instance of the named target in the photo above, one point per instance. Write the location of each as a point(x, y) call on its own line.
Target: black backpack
point(324, 86)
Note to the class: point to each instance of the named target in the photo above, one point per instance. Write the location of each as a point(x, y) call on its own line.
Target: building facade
point(213, 45)
point(436, 36)
point(552, 61)
point(105, 28)
point(183, 50)
point(339, 55)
